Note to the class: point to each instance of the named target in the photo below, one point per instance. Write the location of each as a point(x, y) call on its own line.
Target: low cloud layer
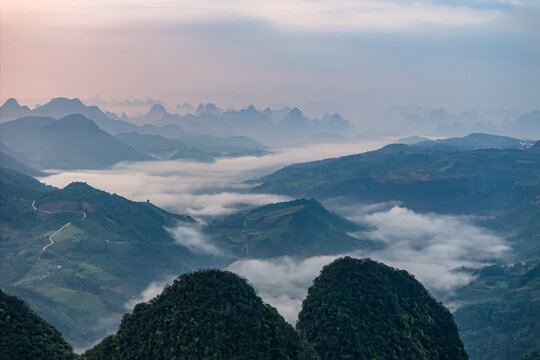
point(202, 189)
point(432, 247)
point(191, 238)
point(282, 282)
point(152, 290)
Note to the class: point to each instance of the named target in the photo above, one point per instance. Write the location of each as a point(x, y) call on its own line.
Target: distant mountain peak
point(66, 101)
point(12, 103)
point(158, 108)
point(295, 112)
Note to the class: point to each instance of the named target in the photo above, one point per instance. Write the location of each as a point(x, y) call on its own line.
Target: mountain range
point(68, 143)
point(79, 254)
point(272, 127)
point(214, 314)
point(498, 188)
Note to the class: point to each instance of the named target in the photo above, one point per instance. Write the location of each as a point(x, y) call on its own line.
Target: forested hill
point(208, 314)
point(502, 185)
point(464, 182)
point(24, 335)
point(361, 309)
point(294, 228)
point(77, 255)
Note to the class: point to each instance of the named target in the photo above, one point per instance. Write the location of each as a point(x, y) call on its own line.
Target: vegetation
point(295, 228)
point(208, 314)
point(532, 355)
point(499, 318)
point(96, 265)
point(361, 309)
point(24, 335)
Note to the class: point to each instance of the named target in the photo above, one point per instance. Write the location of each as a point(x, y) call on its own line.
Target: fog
point(439, 250)
point(191, 238)
point(203, 189)
point(434, 248)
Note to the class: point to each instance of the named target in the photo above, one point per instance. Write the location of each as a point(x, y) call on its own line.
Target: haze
point(352, 57)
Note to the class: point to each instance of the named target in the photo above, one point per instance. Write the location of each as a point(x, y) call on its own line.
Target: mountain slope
point(161, 148)
point(208, 314)
point(426, 180)
point(499, 312)
point(501, 185)
point(24, 335)
point(9, 162)
point(361, 309)
point(69, 143)
point(78, 255)
point(300, 227)
point(12, 110)
point(474, 142)
point(61, 107)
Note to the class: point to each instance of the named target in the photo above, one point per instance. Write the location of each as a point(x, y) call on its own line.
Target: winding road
point(62, 228)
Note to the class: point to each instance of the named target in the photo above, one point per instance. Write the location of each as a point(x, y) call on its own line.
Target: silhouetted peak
point(158, 109)
point(11, 103)
point(296, 112)
point(65, 101)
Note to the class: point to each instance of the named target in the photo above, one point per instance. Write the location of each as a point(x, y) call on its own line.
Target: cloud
point(304, 14)
point(152, 290)
point(194, 240)
point(282, 282)
point(202, 189)
point(432, 247)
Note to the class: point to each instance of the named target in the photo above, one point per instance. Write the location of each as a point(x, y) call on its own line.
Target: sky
point(347, 56)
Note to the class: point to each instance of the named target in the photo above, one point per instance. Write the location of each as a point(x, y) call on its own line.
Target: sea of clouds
point(437, 249)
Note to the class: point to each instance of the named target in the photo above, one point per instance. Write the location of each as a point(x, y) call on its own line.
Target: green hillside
point(300, 227)
point(498, 317)
point(361, 309)
point(25, 336)
point(208, 314)
point(502, 185)
point(105, 251)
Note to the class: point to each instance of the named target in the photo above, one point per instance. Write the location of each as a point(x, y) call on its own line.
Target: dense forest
point(24, 335)
point(356, 309)
point(207, 314)
point(362, 309)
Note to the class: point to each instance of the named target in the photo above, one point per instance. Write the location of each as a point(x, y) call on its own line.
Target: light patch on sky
point(203, 189)
point(315, 15)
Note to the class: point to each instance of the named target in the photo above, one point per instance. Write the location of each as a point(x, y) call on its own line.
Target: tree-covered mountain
point(502, 185)
point(532, 355)
point(361, 309)
point(26, 336)
point(72, 142)
point(77, 255)
point(208, 314)
point(499, 312)
point(295, 228)
point(425, 180)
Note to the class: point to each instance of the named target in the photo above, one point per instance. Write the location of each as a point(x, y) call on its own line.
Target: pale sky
point(340, 55)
